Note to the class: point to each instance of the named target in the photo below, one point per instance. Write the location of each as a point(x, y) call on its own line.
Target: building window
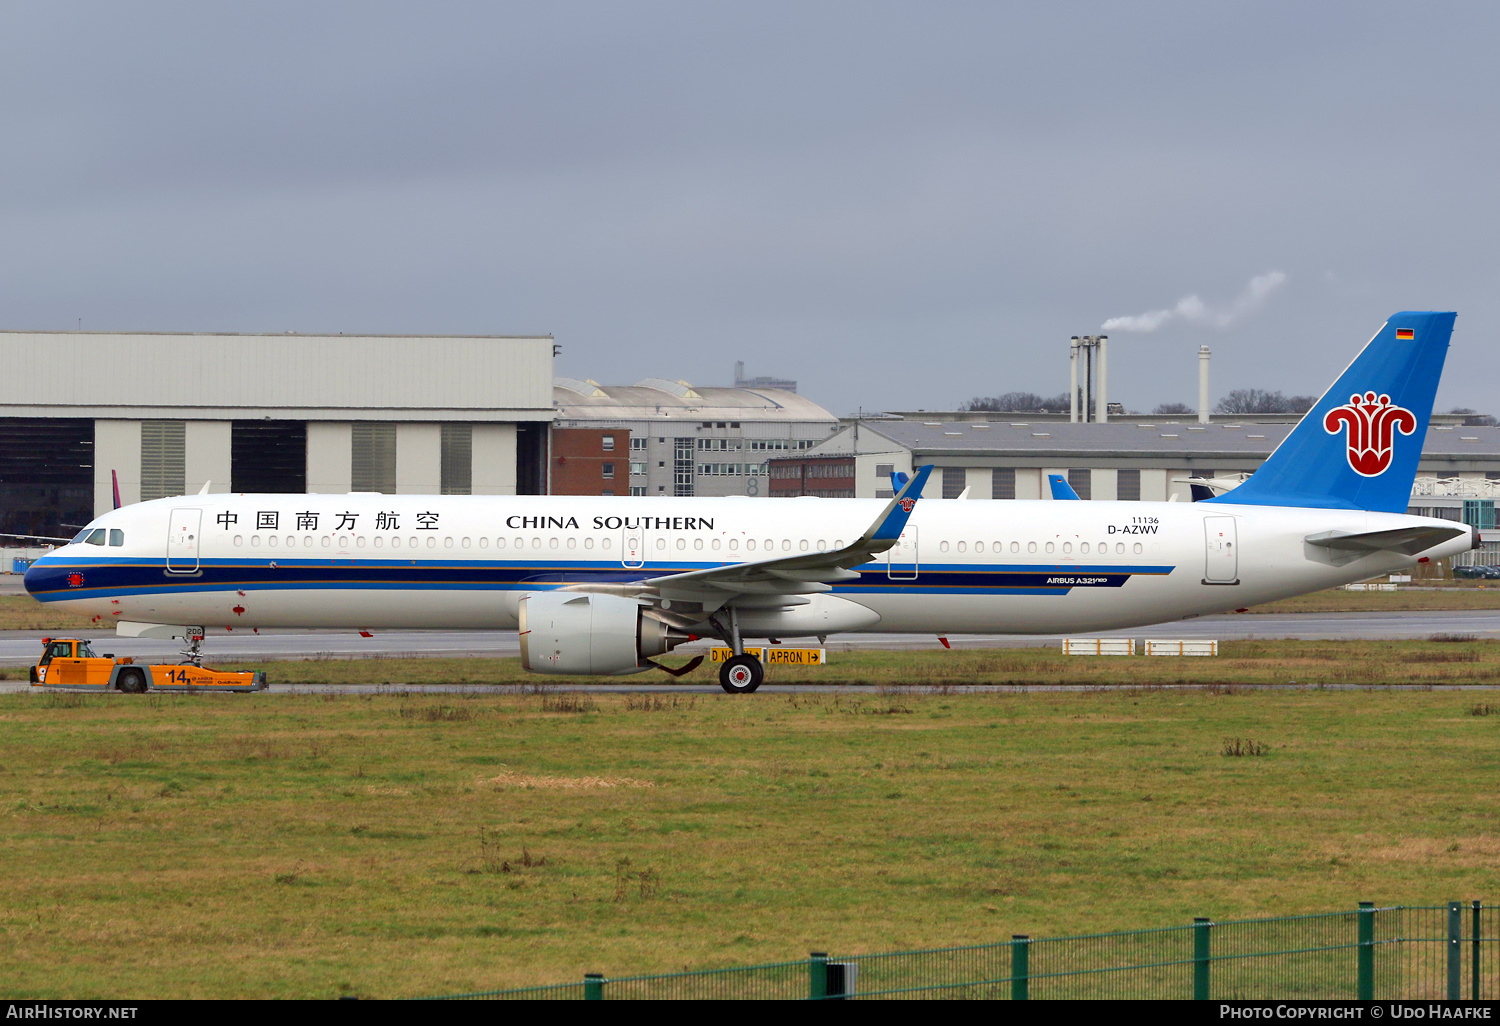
point(1129, 486)
point(638, 468)
point(1081, 482)
point(609, 469)
point(883, 471)
point(456, 460)
point(609, 443)
point(638, 445)
point(682, 466)
point(637, 489)
point(1003, 483)
point(163, 458)
point(953, 482)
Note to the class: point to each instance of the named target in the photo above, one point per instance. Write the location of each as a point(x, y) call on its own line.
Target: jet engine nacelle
point(584, 633)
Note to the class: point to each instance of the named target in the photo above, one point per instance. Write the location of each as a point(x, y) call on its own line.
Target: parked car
point(1471, 572)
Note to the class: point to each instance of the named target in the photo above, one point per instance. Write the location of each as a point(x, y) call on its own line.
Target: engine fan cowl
point(569, 632)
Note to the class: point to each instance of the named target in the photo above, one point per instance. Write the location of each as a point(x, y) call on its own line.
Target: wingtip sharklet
point(893, 520)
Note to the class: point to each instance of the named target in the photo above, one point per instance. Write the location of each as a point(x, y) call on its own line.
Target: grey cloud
point(897, 204)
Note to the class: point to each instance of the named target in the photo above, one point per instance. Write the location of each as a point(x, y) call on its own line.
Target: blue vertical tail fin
point(1358, 447)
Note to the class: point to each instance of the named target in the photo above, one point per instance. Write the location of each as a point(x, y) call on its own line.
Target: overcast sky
point(899, 205)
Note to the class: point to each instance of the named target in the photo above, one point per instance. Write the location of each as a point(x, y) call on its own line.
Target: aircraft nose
point(35, 576)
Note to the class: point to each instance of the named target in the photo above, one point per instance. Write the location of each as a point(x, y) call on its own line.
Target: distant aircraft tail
point(1060, 487)
point(1358, 447)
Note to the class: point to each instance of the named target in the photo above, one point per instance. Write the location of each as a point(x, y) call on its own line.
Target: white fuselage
point(366, 561)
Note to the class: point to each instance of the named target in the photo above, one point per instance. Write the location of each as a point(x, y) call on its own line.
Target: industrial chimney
point(1087, 389)
point(1203, 355)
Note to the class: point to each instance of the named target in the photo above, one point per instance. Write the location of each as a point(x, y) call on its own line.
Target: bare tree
point(1473, 419)
point(1172, 410)
point(1258, 400)
point(1017, 402)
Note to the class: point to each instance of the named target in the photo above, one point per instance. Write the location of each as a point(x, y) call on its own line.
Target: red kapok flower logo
point(1371, 424)
point(907, 505)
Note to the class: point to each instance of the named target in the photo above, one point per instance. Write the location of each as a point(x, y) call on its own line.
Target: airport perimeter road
point(18, 648)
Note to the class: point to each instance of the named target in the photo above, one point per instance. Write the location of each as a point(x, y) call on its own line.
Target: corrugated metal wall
point(301, 372)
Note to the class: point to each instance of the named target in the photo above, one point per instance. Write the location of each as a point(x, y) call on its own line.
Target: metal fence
point(1447, 951)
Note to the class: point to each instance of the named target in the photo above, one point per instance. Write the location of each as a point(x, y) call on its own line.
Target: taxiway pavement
point(18, 648)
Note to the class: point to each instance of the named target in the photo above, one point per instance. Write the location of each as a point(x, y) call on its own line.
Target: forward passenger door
point(184, 541)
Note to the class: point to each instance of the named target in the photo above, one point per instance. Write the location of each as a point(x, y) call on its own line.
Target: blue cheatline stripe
point(51, 582)
point(606, 564)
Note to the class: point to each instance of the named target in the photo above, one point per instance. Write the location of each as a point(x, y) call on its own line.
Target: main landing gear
point(741, 673)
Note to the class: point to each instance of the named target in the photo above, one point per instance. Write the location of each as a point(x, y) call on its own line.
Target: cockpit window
point(96, 536)
point(116, 536)
point(82, 536)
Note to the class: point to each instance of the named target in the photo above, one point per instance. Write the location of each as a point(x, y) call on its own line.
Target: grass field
point(387, 845)
point(1445, 659)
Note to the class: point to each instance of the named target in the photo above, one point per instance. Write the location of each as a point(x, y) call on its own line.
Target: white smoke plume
point(1195, 311)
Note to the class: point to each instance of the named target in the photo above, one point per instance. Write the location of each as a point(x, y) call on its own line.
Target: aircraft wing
point(801, 574)
point(1405, 540)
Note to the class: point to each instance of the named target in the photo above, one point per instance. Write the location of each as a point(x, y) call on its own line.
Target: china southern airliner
point(604, 585)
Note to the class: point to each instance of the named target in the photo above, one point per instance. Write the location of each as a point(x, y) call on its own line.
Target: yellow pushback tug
point(70, 664)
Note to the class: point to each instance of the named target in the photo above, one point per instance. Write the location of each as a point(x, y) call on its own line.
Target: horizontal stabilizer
point(1406, 540)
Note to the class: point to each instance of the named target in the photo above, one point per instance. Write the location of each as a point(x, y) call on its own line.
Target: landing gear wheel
point(741, 674)
point(132, 682)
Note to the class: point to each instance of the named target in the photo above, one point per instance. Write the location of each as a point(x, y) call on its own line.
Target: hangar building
point(660, 437)
point(169, 413)
point(1139, 460)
